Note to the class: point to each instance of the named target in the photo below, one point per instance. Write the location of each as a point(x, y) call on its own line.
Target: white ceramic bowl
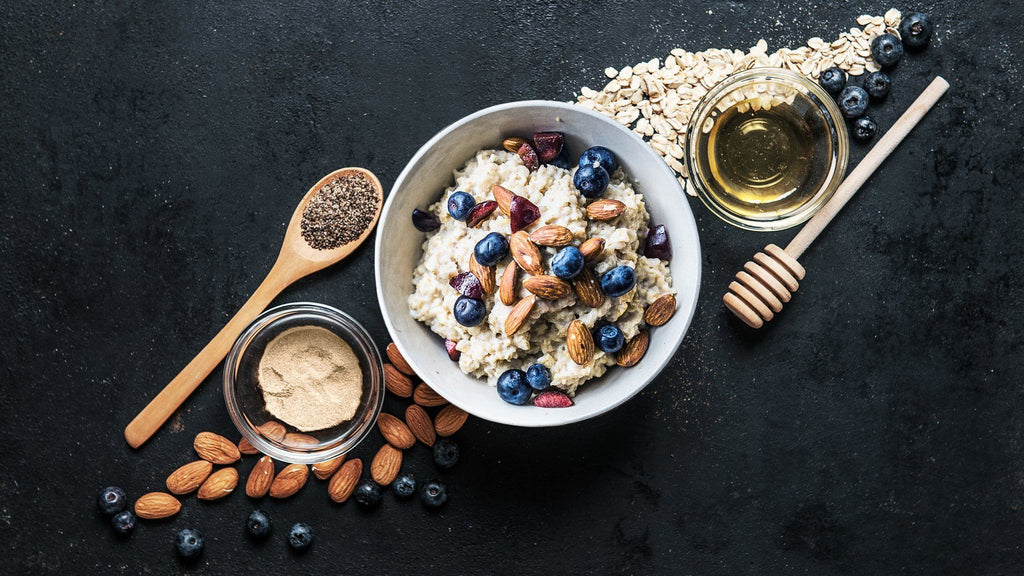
point(427, 175)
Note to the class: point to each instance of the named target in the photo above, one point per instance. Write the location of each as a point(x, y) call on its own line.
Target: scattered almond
point(273, 430)
point(513, 144)
point(420, 425)
point(592, 248)
point(507, 287)
point(518, 314)
point(397, 383)
point(260, 478)
point(449, 420)
point(588, 288)
point(547, 287)
point(189, 477)
point(605, 209)
point(156, 505)
point(219, 484)
point(246, 447)
point(216, 448)
point(551, 235)
point(425, 396)
point(344, 480)
point(395, 431)
point(503, 196)
point(289, 480)
point(634, 350)
point(485, 274)
point(579, 343)
point(525, 253)
point(326, 469)
point(300, 439)
point(661, 310)
point(386, 464)
point(398, 360)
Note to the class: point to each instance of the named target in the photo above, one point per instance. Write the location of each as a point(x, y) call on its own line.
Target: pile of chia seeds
point(339, 212)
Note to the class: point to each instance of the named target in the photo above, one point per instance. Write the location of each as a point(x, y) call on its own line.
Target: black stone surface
point(152, 152)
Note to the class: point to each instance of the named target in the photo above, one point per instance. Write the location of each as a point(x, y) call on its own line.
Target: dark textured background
point(152, 153)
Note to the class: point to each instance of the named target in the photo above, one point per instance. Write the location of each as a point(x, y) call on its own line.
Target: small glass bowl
point(244, 399)
point(828, 141)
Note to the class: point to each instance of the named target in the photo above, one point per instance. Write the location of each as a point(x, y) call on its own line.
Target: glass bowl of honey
point(766, 149)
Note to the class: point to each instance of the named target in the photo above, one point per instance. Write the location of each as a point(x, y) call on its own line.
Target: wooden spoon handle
point(867, 166)
point(174, 394)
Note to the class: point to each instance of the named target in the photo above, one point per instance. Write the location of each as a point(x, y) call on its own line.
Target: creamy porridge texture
point(486, 350)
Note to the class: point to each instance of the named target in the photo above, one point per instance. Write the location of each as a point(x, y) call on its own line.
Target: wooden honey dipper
point(769, 280)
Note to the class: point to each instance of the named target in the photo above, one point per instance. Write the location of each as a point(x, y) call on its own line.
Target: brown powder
point(339, 212)
point(311, 378)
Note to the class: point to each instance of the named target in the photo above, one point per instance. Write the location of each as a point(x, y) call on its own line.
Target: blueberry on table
point(368, 493)
point(424, 221)
point(864, 128)
point(567, 263)
point(886, 50)
point(258, 525)
point(491, 249)
point(600, 156)
point(853, 101)
point(512, 387)
point(434, 494)
point(404, 486)
point(877, 85)
point(112, 500)
point(189, 543)
point(459, 204)
point(446, 453)
point(610, 339)
point(833, 80)
point(916, 30)
point(300, 537)
point(469, 311)
point(538, 376)
point(124, 522)
point(591, 180)
point(618, 281)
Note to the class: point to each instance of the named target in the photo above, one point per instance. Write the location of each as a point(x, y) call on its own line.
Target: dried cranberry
point(424, 221)
point(522, 213)
point(552, 399)
point(658, 245)
point(480, 212)
point(467, 284)
point(548, 145)
point(529, 156)
point(454, 354)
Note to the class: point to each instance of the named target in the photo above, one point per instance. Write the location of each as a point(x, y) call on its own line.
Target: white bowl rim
point(573, 415)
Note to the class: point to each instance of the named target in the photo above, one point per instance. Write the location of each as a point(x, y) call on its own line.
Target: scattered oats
point(611, 72)
point(892, 18)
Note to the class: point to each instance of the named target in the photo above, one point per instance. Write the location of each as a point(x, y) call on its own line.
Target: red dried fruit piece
point(522, 213)
point(454, 354)
point(548, 145)
point(529, 156)
point(480, 212)
point(657, 244)
point(467, 284)
point(552, 399)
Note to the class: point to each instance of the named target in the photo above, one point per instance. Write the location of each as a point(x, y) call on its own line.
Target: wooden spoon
point(297, 259)
point(770, 279)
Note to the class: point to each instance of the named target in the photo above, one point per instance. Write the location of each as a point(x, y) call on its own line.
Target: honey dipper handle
point(878, 153)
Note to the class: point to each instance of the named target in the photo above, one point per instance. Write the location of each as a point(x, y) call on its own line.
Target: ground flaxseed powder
point(339, 212)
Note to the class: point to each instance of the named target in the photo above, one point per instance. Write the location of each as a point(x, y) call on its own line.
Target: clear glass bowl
point(244, 399)
point(729, 129)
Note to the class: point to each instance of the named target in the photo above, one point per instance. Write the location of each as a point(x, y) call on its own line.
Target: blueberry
point(112, 500)
point(124, 522)
point(190, 543)
point(877, 85)
point(591, 180)
point(853, 101)
point(886, 50)
point(368, 493)
point(864, 128)
point(258, 525)
point(300, 537)
point(404, 486)
point(459, 204)
point(512, 387)
point(446, 453)
point(434, 494)
point(567, 263)
point(424, 221)
point(492, 248)
point(538, 376)
point(564, 160)
point(601, 156)
point(833, 80)
point(915, 30)
point(618, 281)
point(469, 311)
point(610, 339)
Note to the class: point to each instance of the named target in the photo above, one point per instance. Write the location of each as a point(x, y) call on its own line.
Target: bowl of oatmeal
point(466, 310)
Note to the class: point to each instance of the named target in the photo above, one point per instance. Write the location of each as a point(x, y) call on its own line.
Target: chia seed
point(339, 212)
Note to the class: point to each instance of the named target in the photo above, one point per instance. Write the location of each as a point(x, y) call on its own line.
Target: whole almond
point(398, 360)
point(246, 447)
point(425, 396)
point(605, 209)
point(273, 430)
point(588, 288)
point(519, 313)
point(661, 310)
point(419, 424)
point(551, 235)
point(449, 420)
point(289, 480)
point(395, 431)
point(260, 478)
point(547, 287)
point(592, 248)
point(216, 448)
point(503, 196)
point(156, 505)
point(386, 464)
point(344, 480)
point(579, 343)
point(525, 253)
point(189, 477)
point(634, 350)
point(326, 469)
point(507, 287)
point(513, 144)
point(219, 484)
point(485, 274)
point(397, 383)
point(299, 439)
